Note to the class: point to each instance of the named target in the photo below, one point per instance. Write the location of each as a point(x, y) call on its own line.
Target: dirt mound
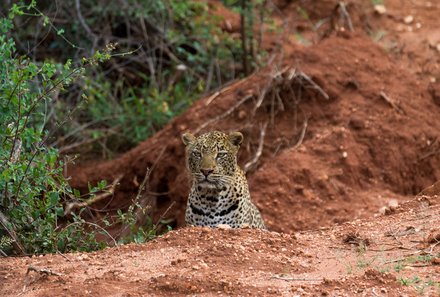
point(357, 258)
point(370, 141)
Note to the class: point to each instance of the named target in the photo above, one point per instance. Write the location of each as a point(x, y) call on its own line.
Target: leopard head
point(212, 157)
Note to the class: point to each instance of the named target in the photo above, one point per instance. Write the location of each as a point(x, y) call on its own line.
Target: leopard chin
point(206, 184)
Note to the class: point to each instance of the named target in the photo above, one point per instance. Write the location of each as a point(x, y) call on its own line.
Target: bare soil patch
point(391, 255)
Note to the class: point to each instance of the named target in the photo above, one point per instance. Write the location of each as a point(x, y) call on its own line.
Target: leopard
point(219, 194)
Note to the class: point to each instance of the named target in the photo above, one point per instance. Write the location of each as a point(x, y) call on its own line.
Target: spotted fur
point(219, 192)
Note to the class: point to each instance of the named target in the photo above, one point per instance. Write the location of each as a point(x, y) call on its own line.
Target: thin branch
point(225, 114)
point(391, 102)
point(299, 279)
point(76, 205)
point(11, 232)
point(83, 22)
point(45, 271)
point(94, 225)
point(249, 165)
point(299, 73)
point(346, 15)
point(301, 136)
point(163, 215)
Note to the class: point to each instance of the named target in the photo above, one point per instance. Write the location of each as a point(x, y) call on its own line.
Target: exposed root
point(250, 165)
point(345, 15)
point(301, 136)
point(225, 114)
point(295, 73)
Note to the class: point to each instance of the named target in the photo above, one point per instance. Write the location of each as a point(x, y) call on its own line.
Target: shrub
point(31, 182)
point(178, 51)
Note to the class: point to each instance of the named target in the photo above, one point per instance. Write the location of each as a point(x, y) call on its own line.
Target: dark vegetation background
point(86, 79)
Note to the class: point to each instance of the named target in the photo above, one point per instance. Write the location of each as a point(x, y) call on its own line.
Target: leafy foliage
point(31, 182)
point(55, 102)
point(177, 48)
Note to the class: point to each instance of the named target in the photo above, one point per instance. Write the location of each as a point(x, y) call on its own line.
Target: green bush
point(178, 51)
point(31, 181)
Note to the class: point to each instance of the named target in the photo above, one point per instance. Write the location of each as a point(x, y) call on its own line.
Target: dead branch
point(345, 15)
point(301, 136)
point(225, 114)
point(216, 94)
point(391, 102)
point(429, 154)
point(249, 165)
point(11, 232)
point(261, 98)
point(45, 271)
point(76, 205)
point(64, 256)
point(83, 22)
point(300, 279)
point(299, 73)
point(163, 215)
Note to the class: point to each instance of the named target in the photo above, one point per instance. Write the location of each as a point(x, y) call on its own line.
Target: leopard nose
point(206, 172)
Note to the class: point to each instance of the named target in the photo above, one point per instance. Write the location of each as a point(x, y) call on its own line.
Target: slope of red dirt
point(368, 143)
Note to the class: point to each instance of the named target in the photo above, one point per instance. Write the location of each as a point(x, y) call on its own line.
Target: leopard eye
point(196, 155)
point(221, 155)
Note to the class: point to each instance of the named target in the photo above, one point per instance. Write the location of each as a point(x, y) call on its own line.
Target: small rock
point(383, 290)
point(384, 210)
point(380, 9)
point(344, 155)
point(393, 204)
point(224, 226)
point(408, 19)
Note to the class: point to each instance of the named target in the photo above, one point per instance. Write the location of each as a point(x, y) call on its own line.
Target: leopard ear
point(236, 138)
point(188, 138)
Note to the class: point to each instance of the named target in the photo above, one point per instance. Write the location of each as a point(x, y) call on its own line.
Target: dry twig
point(225, 114)
point(11, 232)
point(298, 73)
point(301, 136)
point(45, 271)
point(249, 165)
point(344, 13)
point(391, 102)
point(300, 279)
